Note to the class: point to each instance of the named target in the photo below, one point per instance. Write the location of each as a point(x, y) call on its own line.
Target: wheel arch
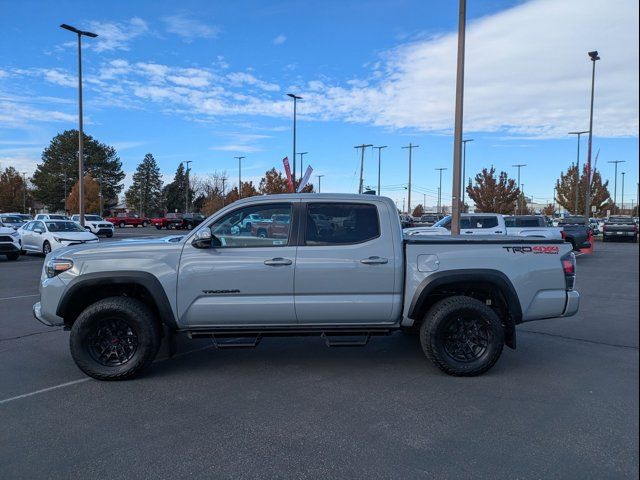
point(91, 287)
point(483, 284)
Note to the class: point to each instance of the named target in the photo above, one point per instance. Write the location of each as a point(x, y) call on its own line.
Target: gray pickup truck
point(349, 277)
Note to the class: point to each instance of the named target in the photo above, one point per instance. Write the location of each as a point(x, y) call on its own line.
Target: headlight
point(57, 239)
point(56, 266)
point(15, 234)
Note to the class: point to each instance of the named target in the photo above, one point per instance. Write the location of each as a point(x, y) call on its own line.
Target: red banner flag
point(287, 170)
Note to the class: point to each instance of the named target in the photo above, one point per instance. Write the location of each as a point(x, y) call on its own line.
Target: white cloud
point(189, 28)
point(279, 40)
point(115, 35)
point(60, 77)
point(242, 78)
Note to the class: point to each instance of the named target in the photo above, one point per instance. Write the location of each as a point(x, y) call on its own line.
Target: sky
point(207, 81)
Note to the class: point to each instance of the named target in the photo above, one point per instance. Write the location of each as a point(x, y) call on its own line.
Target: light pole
point(464, 165)
point(363, 147)
point(587, 207)
point(615, 183)
point(519, 166)
point(295, 110)
point(319, 182)
point(186, 209)
point(440, 190)
point(24, 192)
point(379, 162)
point(240, 175)
point(457, 130)
point(80, 33)
point(410, 147)
point(575, 209)
point(302, 154)
point(622, 198)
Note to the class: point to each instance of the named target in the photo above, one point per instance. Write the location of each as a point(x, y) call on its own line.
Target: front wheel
point(13, 256)
point(46, 247)
point(109, 235)
point(122, 224)
point(159, 227)
point(115, 339)
point(144, 224)
point(462, 336)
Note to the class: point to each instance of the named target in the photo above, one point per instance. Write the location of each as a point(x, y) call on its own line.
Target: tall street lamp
point(575, 208)
point(410, 147)
point(622, 199)
point(464, 165)
point(80, 34)
point(319, 183)
point(240, 175)
point(363, 147)
point(587, 207)
point(519, 166)
point(186, 208)
point(295, 106)
point(440, 190)
point(615, 184)
point(302, 154)
point(24, 192)
point(379, 161)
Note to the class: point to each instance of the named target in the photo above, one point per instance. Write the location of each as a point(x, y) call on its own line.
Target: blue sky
point(206, 81)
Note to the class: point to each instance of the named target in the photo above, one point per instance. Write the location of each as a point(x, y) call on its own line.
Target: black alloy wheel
point(112, 342)
point(466, 339)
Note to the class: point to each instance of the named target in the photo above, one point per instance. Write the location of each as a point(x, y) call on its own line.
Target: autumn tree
point(213, 193)
point(248, 190)
point(566, 191)
point(145, 193)
point(493, 195)
point(418, 211)
point(275, 182)
point(59, 169)
point(14, 193)
point(91, 196)
point(549, 210)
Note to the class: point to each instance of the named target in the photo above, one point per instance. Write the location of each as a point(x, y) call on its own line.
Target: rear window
point(573, 221)
point(478, 222)
point(524, 222)
point(341, 223)
point(621, 220)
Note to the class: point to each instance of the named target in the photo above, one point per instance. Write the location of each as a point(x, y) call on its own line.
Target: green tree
point(59, 169)
point(175, 193)
point(566, 191)
point(12, 191)
point(493, 194)
point(145, 193)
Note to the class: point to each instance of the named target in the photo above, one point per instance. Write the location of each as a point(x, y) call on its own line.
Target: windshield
point(11, 220)
point(64, 227)
point(621, 220)
point(573, 220)
point(444, 222)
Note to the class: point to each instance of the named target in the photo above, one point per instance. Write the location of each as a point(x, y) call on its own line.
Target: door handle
point(374, 260)
point(468, 231)
point(498, 231)
point(278, 261)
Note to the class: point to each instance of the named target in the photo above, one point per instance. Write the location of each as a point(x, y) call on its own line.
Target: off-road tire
point(137, 316)
point(13, 256)
point(435, 324)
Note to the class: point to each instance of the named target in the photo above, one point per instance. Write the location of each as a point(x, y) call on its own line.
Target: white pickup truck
point(533, 226)
point(360, 277)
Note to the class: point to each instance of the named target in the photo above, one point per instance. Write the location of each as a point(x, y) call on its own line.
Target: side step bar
point(246, 338)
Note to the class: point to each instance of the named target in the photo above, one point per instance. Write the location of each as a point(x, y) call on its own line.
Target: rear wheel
point(159, 227)
point(115, 339)
point(462, 336)
point(262, 233)
point(144, 224)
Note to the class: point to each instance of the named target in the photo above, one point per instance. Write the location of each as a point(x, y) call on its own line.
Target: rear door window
point(340, 223)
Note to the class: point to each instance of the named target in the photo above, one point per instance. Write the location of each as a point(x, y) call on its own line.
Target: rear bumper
point(573, 304)
point(620, 233)
point(552, 304)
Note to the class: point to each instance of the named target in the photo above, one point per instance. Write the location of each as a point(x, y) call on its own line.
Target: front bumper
point(54, 321)
point(8, 248)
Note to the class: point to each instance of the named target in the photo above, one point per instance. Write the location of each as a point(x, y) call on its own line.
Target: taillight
point(569, 267)
point(604, 228)
point(564, 234)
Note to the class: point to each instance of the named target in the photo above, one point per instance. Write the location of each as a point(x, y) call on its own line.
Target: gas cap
point(428, 263)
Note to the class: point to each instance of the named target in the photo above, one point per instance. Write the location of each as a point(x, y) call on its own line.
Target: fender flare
point(494, 278)
point(144, 279)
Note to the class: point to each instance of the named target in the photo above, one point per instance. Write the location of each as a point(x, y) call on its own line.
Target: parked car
point(24, 216)
point(11, 221)
point(10, 243)
point(622, 228)
point(429, 219)
point(191, 220)
point(45, 236)
point(51, 216)
point(251, 219)
point(124, 219)
point(96, 224)
point(492, 224)
point(464, 296)
point(577, 233)
point(407, 221)
point(593, 224)
point(169, 221)
point(276, 227)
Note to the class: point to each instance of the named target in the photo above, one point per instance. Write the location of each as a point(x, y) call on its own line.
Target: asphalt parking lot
point(563, 405)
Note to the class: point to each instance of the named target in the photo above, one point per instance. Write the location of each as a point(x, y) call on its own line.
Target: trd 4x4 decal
point(538, 249)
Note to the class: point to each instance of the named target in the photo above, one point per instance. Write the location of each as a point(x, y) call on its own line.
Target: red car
point(123, 219)
point(276, 227)
point(169, 221)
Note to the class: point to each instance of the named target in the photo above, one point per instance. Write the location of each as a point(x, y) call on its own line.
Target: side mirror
point(38, 230)
point(205, 239)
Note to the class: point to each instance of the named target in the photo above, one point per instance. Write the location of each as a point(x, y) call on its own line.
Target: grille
point(5, 238)
point(105, 225)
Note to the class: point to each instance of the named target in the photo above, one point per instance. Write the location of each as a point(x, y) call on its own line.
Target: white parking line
point(81, 380)
point(20, 296)
point(43, 390)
